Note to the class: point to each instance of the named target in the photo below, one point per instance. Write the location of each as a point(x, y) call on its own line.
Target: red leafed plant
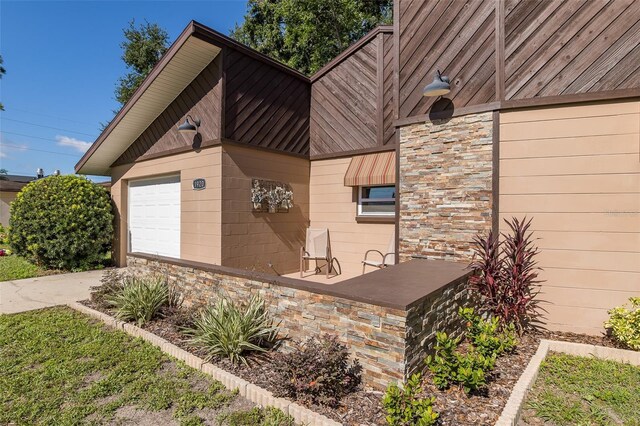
point(505, 274)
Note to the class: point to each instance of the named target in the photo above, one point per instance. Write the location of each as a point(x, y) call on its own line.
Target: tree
point(306, 34)
point(142, 48)
point(2, 72)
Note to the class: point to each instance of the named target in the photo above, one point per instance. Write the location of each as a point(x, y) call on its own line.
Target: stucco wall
point(576, 171)
point(200, 215)
point(252, 240)
point(5, 201)
point(445, 186)
point(334, 206)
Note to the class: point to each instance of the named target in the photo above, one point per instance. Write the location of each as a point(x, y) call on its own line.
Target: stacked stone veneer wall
point(390, 343)
point(445, 186)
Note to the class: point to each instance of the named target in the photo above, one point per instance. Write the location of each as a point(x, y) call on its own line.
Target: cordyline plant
point(505, 274)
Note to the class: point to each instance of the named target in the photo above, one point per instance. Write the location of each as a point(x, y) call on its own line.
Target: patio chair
point(317, 247)
point(387, 259)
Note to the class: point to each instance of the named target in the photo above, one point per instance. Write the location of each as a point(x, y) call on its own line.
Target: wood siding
point(201, 99)
point(568, 47)
point(265, 106)
point(454, 36)
point(516, 52)
point(576, 172)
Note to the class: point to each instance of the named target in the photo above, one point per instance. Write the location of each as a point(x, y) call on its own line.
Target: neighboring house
point(542, 120)
point(10, 185)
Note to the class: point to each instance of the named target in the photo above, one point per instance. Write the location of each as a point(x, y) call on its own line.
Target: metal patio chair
point(386, 259)
point(317, 247)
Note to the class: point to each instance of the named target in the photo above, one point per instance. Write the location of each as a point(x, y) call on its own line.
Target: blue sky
point(63, 60)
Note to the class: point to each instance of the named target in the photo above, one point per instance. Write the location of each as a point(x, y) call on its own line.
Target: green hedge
point(62, 222)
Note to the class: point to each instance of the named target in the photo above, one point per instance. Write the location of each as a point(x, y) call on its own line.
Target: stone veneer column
point(445, 186)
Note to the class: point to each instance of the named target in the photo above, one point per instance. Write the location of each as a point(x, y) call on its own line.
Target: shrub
point(140, 298)
point(624, 324)
point(487, 336)
point(62, 222)
point(4, 235)
point(317, 371)
point(449, 366)
point(230, 330)
point(405, 408)
point(505, 275)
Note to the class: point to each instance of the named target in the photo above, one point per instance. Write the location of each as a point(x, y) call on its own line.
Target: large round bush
point(63, 222)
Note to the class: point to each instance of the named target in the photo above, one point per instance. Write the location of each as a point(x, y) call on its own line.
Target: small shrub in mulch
point(317, 371)
point(624, 324)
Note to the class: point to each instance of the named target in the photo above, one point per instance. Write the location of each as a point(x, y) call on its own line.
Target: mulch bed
point(364, 407)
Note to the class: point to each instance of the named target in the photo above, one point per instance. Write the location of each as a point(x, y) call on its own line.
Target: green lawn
point(574, 390)
point(60, 367)
point(15, 268)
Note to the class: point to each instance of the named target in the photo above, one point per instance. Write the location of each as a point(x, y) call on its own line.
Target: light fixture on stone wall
point(188, 127)
point(439, 87)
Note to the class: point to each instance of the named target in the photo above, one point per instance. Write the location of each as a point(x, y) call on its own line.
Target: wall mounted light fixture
point(440, 86)
point(188, 127)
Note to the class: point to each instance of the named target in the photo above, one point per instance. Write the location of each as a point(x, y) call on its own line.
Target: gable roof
point(192, 51)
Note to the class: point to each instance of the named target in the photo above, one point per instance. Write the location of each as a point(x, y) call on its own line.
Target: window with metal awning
point(372, 170)
point(375, 176)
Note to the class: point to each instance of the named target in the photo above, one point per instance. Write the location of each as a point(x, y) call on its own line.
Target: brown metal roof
point(14, 183)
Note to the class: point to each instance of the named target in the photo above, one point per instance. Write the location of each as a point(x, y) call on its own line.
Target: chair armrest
point(384, 258)
point(375, 251)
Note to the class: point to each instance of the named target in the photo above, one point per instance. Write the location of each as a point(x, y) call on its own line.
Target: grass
point(16, 268)
point(60, 367)
point(573, 390)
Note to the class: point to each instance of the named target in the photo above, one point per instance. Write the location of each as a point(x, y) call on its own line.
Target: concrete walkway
point(36, 293)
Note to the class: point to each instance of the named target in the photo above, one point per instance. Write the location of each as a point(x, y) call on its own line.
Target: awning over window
point(372, 169)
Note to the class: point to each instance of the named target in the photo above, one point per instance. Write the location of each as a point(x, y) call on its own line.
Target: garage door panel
point(154, 216)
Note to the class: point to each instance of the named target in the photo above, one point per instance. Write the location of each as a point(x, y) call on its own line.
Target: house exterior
point(542, 120)
point(10, 185)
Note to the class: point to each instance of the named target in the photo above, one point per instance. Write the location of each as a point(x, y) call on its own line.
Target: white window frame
point(361, 199)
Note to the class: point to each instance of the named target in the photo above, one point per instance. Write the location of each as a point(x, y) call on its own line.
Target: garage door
point(154, 216)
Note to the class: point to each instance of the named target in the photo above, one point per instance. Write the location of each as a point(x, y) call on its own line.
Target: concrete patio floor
point(35, 293)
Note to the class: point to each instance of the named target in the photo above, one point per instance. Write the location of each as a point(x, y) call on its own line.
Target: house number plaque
point(199, 184)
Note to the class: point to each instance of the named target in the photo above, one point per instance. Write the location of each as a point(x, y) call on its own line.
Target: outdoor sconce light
point(188, 127)
point(440, 86)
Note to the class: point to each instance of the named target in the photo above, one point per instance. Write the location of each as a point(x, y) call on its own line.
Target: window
point(377, 200)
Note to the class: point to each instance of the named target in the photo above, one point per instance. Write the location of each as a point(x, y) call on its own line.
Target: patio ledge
point(399, 286)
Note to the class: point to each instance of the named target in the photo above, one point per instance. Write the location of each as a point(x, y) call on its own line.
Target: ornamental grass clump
point(505, 275)
point(317, 371)
point(140, 299)
point(624, 324)
point(231, 330)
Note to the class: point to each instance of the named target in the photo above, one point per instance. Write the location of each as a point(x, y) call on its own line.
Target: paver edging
point(511, 412)
point(253, 393)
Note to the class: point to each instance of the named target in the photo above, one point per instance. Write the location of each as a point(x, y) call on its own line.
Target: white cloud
point(7, 145)
point(77, 144)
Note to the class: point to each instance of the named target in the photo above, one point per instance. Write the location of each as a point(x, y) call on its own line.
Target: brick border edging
point(251, 392)
point(511, 412)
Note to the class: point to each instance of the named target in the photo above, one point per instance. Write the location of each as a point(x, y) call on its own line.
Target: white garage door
point(154, 216)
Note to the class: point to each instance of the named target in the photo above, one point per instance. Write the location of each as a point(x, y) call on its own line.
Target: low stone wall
point(389, 342)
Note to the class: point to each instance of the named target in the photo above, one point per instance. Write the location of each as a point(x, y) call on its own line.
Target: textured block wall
point(445, 186)
point(389, 343)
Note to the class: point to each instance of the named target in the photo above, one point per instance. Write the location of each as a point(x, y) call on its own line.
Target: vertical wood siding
point(454, 36)
point(201, 99)
point(265, 106)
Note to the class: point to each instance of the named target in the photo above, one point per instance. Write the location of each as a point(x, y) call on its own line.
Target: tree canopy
point(142, 48)
point(306, 34)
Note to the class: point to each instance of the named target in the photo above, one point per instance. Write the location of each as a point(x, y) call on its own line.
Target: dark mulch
point(365, 408)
